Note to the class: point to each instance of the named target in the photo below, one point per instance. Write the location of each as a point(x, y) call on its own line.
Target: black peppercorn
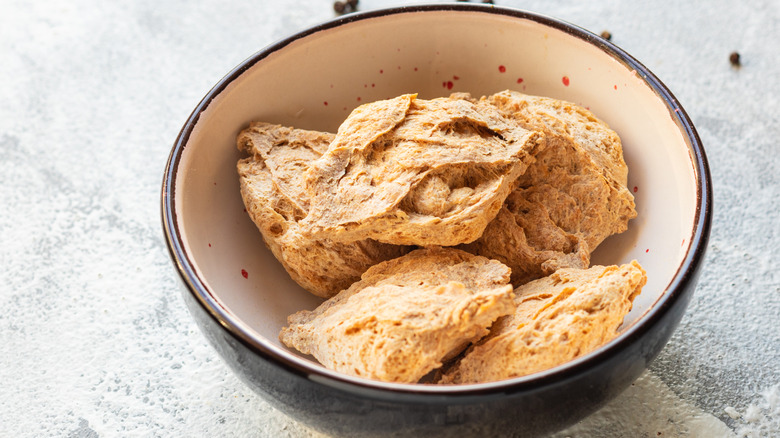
point(487, 1)
point(342, 7)
point(734, 59)
point(606, 35)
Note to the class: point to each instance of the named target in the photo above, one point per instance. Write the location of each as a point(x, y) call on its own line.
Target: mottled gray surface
point(95, 340)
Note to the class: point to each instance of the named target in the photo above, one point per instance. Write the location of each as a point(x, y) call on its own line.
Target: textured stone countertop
point(95, 339)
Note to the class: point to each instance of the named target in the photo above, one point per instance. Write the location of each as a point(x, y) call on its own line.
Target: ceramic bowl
point(240, 295)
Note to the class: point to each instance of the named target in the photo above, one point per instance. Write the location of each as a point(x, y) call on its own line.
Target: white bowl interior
point(315, 81)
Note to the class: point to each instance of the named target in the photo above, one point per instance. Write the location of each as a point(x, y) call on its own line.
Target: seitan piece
point(271, 181)
point(405, 316)
point(568, 201)
point(558, 318)
point(408, 171)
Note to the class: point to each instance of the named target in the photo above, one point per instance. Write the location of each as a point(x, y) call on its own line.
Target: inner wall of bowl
point(315, 81)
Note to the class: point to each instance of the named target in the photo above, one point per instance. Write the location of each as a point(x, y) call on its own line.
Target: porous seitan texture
point(272, 187)
point(408, 171)
point(568, 201)
point(405, 316)
point(558, 318)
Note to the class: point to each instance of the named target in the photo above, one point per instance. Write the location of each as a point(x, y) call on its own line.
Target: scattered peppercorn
point(606, 35)
point(342, 7)
point(734, 59)
point(487, 1)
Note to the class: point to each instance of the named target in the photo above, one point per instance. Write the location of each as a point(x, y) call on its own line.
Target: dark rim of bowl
point(685, 274)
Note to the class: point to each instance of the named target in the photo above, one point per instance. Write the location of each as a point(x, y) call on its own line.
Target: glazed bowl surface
point(240, 296)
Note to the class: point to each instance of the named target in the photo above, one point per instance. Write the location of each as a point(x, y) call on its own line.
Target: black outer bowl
point(522, 407)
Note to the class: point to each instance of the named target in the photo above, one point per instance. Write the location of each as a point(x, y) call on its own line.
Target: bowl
point(240, 296)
